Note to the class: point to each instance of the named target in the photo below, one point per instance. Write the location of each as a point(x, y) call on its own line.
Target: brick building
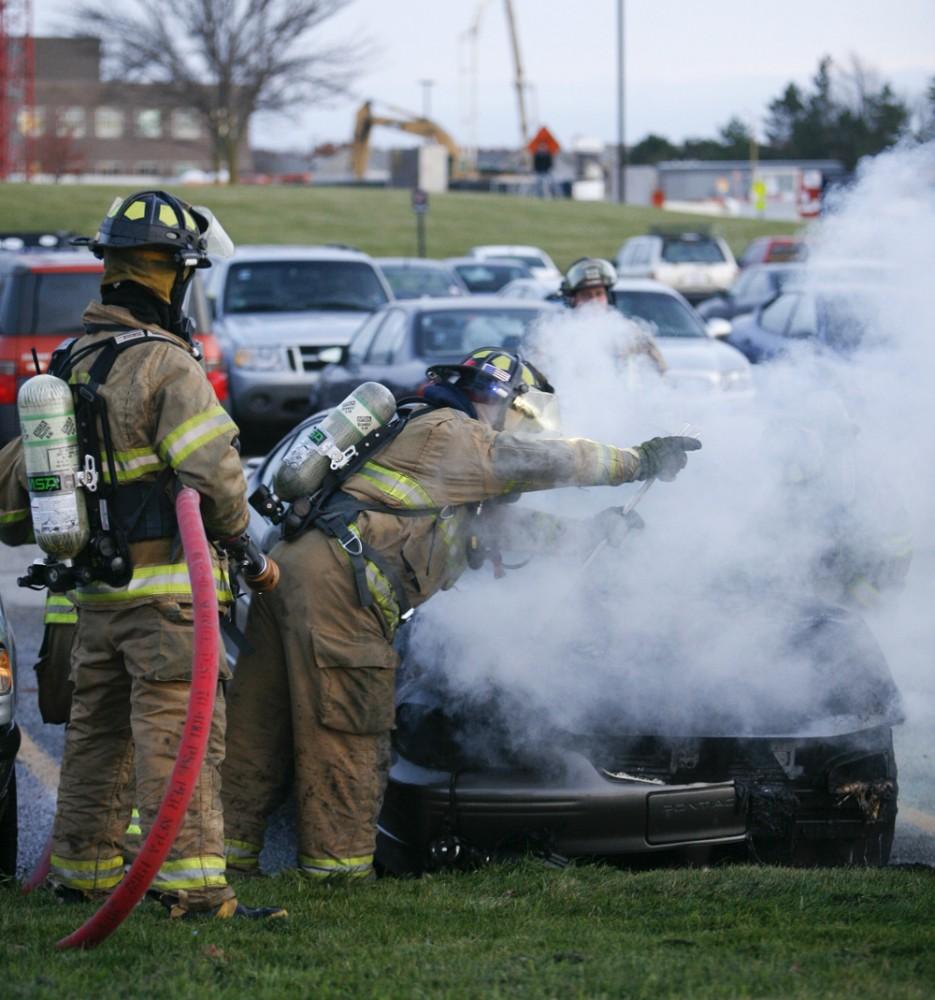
point(84, 124)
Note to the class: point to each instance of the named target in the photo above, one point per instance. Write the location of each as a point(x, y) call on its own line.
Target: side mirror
point(719, 327)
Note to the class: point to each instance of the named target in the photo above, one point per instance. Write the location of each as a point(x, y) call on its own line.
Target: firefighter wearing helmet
point(313, 696)
point(589, 283)
point(151, 422)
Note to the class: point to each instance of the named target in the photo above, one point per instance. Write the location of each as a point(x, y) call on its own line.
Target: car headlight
point(737, 380)
point(260, 359)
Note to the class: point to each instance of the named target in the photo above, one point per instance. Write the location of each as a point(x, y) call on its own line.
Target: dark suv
point(42, 296)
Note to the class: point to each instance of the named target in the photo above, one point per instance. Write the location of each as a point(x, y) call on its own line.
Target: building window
point(149, 123)
point(71, 123)
point(149, 167)
point(185, 124)
point(108, 123)
point(109, 167)
point(31, 122)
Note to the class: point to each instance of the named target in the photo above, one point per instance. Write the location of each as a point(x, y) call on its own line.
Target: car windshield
point(692, 251)
point(301, 285)
point(663, 314)
point(60, 299)
point(779, 253)
point(488, 277)
point(412, 282)
point(455, 333)
point(529, 261)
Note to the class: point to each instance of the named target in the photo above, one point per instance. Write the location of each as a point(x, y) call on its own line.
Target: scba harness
point(334, 512)
point(119, 513)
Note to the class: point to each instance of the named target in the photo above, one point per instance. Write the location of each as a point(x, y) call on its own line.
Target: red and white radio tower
point(17, 88)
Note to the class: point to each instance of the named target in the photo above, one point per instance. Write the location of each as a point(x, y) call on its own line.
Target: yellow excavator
point(365, 120)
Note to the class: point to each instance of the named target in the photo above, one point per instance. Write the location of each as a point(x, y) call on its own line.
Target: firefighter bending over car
point(313, 697)
point(148, 419)
point(589, 284)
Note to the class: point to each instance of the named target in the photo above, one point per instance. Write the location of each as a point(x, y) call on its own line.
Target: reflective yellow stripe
point(59, 610)
point(102, 873)
point(396, 485)
point(134, 829)
point(358, 867)
point(151, 581)
point(12, 516)
point(134, 464)
point(202, 872)
point(241, 854)
point(194, 433)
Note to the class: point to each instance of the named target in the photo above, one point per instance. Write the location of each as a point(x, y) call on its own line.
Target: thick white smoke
point(686, 626)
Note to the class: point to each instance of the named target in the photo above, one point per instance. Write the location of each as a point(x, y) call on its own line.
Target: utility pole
point(520, 82)
point(621, 147)
point(427, 98)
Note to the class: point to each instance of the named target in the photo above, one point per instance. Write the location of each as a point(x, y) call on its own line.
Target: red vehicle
point(773, 250)
point(42, 296)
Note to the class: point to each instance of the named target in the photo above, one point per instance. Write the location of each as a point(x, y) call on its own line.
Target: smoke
point(705, 621)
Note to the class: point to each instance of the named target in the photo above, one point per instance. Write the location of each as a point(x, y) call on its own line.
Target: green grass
point(380, 221)
point(509, 931)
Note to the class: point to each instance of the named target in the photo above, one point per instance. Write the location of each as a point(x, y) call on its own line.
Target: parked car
point(399, 342)
point(697, 359)
point(9, 745)
point(827, 317)
point(476, 777)
point(483, 276)
point(697, 264)
point(540, 264)
point(43, 294)
point(754, 286)
point(773, 250)
point(417, 277)
point(532, 288)
point(277, 310)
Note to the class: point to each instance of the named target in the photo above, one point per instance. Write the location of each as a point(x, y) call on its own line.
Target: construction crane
point(365, 120)
point(471, 69)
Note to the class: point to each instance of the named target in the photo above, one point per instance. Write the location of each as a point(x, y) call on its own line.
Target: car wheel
point(8, 831)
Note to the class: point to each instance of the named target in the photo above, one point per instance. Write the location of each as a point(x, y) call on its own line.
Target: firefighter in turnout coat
point(314, 699)
point(132, 656)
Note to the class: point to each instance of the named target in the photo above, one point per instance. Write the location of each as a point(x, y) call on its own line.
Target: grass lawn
point(380, 221)
point(509, 931)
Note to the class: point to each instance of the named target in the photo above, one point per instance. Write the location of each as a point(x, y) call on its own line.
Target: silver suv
point(697, 264)
point(281, 314)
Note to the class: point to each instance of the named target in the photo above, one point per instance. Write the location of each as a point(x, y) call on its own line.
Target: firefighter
point(132, 657)
point(589, 283)
point(313, 697)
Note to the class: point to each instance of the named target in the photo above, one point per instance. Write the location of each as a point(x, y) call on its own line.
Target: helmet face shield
point(217, 242)
point(538, 412)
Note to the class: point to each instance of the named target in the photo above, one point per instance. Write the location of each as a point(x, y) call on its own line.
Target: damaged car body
point(816, 790)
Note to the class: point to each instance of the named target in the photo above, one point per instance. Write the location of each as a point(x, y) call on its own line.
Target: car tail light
point(214, 365)
point(218, 380)
point(7, 382)
point(6, 672)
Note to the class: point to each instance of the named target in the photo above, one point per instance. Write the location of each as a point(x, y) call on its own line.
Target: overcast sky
point(690, 65)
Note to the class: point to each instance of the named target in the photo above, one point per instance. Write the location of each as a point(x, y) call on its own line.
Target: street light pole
point(427, 97)
point(621, 148)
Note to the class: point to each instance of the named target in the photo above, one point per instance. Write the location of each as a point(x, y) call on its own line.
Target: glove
point(614, 524)
point(664, 457)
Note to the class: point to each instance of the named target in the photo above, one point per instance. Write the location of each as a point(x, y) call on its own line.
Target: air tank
point(325, 446)
point(53, 458)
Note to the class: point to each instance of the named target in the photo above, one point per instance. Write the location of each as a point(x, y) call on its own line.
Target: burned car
point(651, 767)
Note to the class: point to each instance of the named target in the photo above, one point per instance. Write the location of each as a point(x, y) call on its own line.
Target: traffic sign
point(543, 138)
point(420, 201)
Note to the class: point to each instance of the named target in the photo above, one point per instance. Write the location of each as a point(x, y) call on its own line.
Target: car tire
point(8, 831)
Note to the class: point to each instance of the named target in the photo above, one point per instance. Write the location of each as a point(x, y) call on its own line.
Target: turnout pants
point(311, 702)
point(132, 672)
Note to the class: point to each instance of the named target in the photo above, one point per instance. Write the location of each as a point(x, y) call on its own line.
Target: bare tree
point(226, 59)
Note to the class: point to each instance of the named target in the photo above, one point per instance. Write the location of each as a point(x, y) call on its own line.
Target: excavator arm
point(365, 120)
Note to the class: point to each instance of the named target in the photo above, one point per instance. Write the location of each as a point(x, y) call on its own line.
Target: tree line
point(844, 113)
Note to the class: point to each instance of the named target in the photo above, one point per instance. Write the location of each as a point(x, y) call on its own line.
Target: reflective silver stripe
point(396, 485)
point(191, 873)
point(336, 867)
point(151, 581)
point(241, 854)
point(101, 873)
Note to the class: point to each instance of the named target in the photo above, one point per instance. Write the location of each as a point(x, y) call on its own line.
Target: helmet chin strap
point(180, 324)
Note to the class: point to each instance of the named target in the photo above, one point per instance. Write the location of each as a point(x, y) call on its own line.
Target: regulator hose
point(191, 749)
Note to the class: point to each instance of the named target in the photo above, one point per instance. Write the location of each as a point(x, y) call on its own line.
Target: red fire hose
point(191, 750)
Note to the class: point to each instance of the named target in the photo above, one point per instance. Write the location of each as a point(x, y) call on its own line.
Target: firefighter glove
point(615, 523)
point(664, 457)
